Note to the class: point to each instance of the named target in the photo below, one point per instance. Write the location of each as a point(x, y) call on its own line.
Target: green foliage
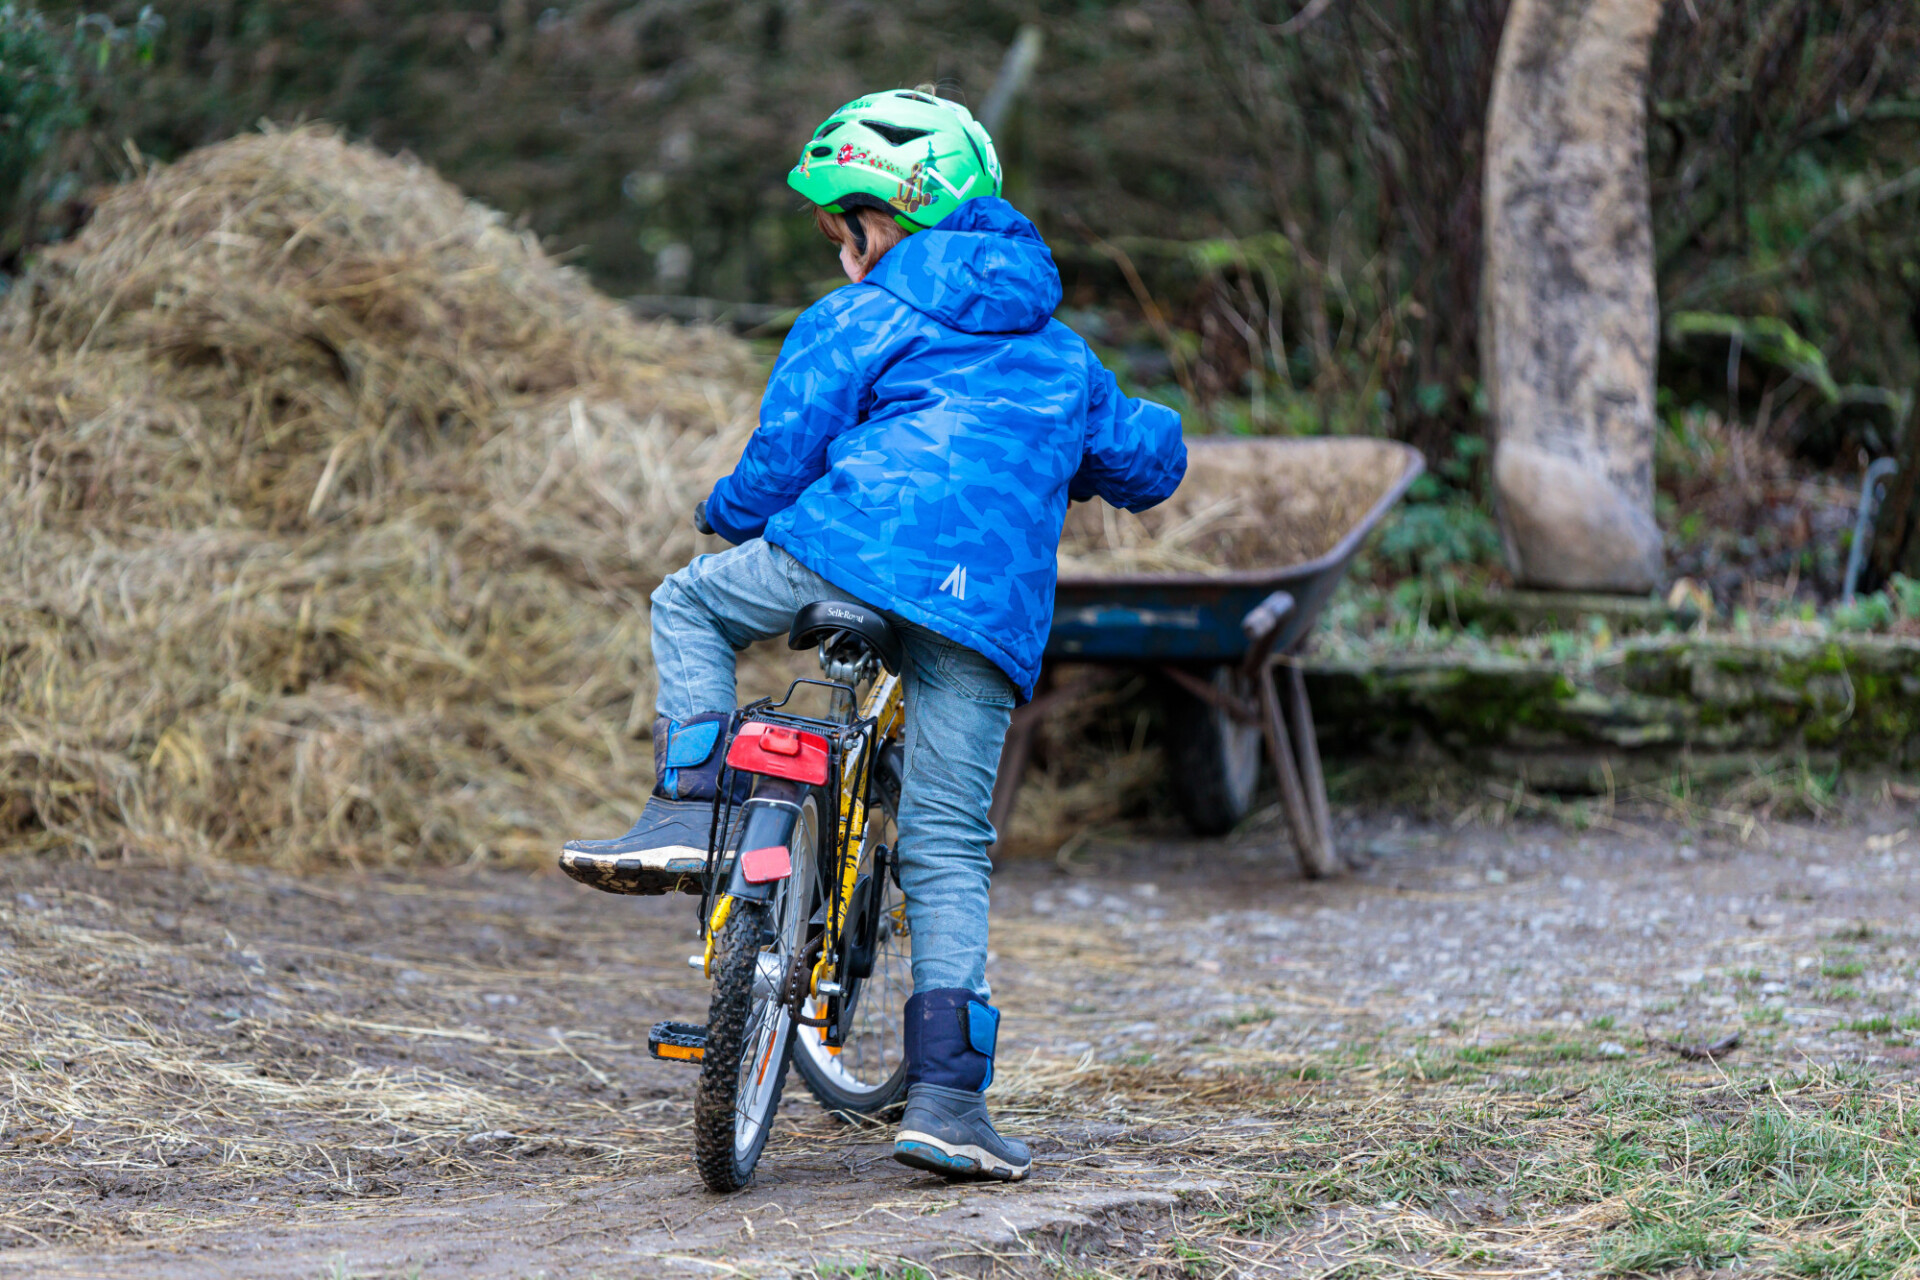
point(1898, 602)
point(48, 78)
point(1442, 526)
point(1428, 537)
point(1765, 338)
point(1782, 166)
point(39, 100)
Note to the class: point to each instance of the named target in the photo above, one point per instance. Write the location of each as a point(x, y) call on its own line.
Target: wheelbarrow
point(1226, 641)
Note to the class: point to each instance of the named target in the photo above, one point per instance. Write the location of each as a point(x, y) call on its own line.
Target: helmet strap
point(858, 231)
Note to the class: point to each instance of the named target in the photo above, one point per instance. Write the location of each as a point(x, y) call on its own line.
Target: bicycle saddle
point(820, 621)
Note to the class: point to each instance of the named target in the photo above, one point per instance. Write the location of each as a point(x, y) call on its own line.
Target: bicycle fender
point(768, 822)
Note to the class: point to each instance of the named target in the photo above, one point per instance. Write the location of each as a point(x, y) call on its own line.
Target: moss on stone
point(1856, 698)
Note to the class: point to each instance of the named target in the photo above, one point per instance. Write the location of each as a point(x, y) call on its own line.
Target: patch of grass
point(1480, 1054)
point(338, 1268)
point(1468, 1249)
point(1845, 991)
point(1605, 1022)
point(1807, 1175)
point(1879, 1025)
point(1195, 1262)
point(1621, 1157)
point(1767, 1015)
point(1842, 969)
point(872, 1270)
point(1663, 1233)
point(1821, 1262)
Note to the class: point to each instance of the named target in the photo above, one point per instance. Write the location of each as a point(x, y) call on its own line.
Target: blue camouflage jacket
point(923, 430)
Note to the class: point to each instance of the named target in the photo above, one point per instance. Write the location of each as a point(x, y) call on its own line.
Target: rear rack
point(840, 793)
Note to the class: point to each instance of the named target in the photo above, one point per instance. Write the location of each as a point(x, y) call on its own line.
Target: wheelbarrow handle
point(1262, 627)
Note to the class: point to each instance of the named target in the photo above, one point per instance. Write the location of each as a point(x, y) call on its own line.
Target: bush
point(47, 79)
point(38, 102)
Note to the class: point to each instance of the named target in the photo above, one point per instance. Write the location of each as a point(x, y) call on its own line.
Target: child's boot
point(946, 1130)
point(668, 844)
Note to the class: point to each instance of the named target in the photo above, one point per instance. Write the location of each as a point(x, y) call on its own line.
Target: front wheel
point(749, 1024)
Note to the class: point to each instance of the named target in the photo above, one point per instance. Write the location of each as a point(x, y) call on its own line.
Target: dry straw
point(1244, 504)
point(330, 512)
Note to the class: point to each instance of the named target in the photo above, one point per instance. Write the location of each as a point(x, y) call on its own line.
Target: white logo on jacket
point(956, 583)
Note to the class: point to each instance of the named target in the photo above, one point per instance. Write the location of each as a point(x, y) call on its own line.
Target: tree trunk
point(1571, 321)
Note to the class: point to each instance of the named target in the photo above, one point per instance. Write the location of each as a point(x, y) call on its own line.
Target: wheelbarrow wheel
point(1214, 758)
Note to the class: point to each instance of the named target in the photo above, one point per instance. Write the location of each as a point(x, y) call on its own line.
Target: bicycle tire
point(729, 1135)
point(841, 1082)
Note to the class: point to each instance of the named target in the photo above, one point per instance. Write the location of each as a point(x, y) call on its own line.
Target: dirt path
point(245, 1073)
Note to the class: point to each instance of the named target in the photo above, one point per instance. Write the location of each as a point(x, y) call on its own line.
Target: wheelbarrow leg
point(1018, 750)
point(1292, 797)
point(1013, 770)
point(1321, 852)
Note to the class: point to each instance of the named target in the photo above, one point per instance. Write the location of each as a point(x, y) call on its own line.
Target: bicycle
point(801, 911)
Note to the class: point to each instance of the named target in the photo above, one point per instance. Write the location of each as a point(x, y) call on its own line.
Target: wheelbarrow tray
point(1195, 618)
point(1324, 495)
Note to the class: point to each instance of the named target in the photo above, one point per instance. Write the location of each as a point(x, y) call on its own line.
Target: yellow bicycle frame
point(886, 705)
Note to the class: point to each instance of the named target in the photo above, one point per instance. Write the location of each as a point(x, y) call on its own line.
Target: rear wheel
point(866, 1077)
point(749, 1026)
point(1214, 758)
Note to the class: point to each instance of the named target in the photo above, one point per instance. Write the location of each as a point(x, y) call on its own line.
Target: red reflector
point(757, 866)
point(779, 752)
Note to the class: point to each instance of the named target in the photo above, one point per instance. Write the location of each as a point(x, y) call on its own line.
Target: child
point(921, 435)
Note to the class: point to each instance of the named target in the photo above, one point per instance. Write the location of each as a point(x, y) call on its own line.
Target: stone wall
point(1715, 705)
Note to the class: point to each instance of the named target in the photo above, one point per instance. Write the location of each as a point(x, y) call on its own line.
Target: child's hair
point(869, 231)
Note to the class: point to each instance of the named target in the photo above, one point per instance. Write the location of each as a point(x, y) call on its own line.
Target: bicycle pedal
point(678, 1042)
point(682, 1042)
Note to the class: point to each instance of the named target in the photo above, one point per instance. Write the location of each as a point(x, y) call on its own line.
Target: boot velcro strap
point(691, 744)
point(983, 1031)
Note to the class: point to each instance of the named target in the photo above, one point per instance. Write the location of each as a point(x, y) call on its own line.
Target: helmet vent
point(895, 134)
point(829, 127)
point(821, 153)
point(916, 97)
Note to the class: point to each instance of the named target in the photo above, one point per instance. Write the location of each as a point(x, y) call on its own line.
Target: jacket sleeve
point(816, 391)
point(1134, 456)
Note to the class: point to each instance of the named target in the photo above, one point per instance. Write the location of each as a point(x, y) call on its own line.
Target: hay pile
point(330, 510)
point(1244, 504)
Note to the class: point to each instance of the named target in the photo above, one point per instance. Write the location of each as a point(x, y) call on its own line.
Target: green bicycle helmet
point(903, 152)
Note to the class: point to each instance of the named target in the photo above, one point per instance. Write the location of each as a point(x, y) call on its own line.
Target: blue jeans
point(958, 705)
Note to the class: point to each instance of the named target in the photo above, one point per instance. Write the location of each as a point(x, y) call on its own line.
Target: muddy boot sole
point(630, 873)
point(955, 1160)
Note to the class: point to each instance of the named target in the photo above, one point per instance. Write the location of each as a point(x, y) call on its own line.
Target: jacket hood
point(981, 269)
